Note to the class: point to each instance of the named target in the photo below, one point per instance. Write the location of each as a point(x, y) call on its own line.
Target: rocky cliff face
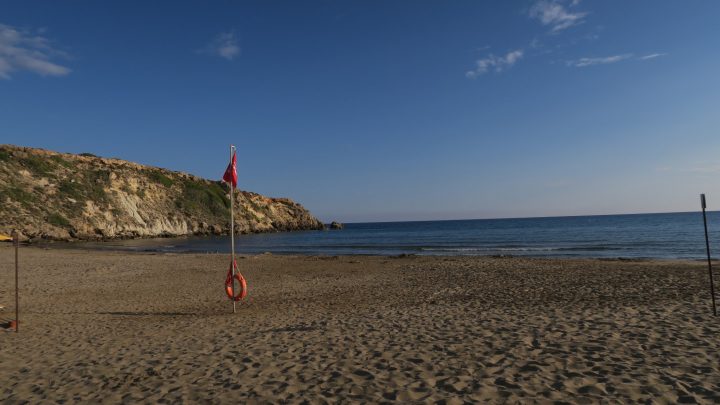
point(57, 196)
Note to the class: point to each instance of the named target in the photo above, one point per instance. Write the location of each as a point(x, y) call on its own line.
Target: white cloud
point(225, 45)
point(583, 62)
point(553, 13)
point(652, 56)
point(21, 50)
point(497, 63)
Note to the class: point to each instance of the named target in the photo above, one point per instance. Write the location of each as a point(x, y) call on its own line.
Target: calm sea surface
point(666, 236)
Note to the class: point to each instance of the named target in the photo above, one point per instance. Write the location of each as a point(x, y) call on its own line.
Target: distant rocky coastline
point(56, 196)
point(336, 225)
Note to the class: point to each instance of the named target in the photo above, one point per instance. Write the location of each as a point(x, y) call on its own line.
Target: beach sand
point(137, 327)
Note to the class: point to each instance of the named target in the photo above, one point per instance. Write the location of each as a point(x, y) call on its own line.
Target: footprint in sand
point(366, 375)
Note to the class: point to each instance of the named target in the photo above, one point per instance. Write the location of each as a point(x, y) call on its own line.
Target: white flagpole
point(232, 229)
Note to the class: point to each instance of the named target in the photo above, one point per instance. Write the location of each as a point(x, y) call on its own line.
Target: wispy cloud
point(582, 62)
point(555, 14)
point(226, 45)
point(652, 56)
point(22, 50)
point(496, 63)
point(558, 15)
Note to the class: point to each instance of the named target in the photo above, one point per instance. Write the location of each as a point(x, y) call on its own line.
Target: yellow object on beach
point(5, 238)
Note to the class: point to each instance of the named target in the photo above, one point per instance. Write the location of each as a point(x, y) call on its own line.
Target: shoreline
point(661, 237)
point(71, 245)
point(49, 240)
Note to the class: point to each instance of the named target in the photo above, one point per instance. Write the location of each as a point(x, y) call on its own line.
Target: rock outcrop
point(336, 225)
point(57, 196)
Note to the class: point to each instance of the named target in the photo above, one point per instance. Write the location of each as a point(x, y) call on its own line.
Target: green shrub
point(220, 194)
point(70, 189)
point(98, 176)
point(37, 165)
point(158, 177)
point(20, 195)
point(86, 154)
point(61, 161)
point(4, 155)
point(92, 187)
point(97, 193)
point(264, 208)
point(95, 187)
point(58, 220)
point(199, 197)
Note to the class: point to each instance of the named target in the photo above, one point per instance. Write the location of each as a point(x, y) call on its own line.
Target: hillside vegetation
point(57, 196)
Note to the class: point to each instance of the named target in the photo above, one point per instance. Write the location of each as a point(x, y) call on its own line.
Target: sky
point(384, 110)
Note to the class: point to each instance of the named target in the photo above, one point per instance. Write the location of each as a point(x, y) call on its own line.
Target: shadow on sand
point(142, 313)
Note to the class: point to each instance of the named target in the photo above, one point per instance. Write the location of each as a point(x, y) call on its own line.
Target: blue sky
point(384, 110)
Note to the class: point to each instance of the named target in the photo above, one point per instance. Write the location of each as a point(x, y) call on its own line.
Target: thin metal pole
point(17, 284)
point(707, 249)
point(232, 230)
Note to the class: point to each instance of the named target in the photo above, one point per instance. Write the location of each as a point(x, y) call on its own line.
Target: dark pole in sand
point(17, 296)
point(232, 230)
point(707, 249)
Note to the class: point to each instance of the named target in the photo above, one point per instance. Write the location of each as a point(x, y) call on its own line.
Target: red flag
point(230, 175)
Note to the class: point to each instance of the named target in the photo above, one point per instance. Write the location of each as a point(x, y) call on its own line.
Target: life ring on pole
point(229, 284)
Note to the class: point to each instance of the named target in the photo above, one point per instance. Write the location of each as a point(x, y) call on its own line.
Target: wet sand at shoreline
point(136, 327)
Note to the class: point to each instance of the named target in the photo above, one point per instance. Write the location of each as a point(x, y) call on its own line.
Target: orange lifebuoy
point(229, 284)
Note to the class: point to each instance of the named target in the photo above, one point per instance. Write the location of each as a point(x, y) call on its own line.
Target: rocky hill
point(57, 196)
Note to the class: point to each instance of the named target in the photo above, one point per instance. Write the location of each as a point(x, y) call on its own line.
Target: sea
point(634, 236)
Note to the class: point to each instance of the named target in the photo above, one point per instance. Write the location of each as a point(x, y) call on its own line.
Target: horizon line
point(534, 217)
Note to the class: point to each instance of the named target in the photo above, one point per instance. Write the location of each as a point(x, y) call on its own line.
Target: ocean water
point(664, 236)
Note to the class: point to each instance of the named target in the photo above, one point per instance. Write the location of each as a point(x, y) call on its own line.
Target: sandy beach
point(157, 328)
